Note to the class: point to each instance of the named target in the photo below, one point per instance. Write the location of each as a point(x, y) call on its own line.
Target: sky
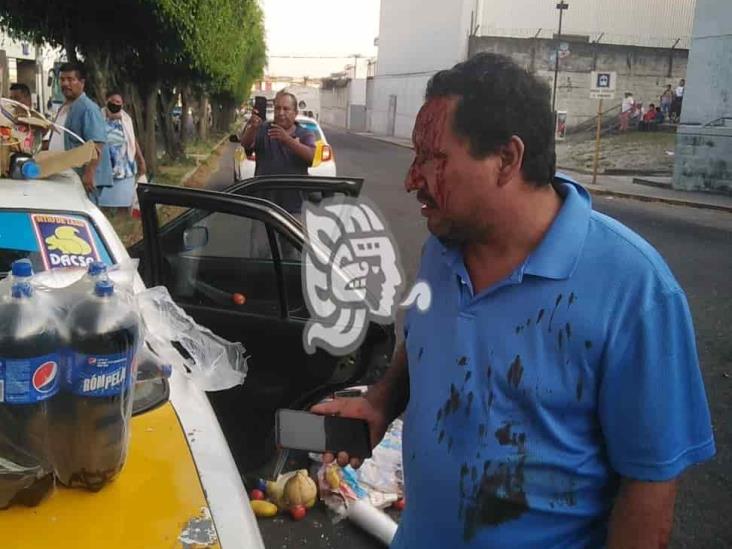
point(318, 28)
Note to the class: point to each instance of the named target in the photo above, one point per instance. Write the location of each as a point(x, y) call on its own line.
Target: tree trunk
point(185, 117)
point(135, 108)
point(223, 114)
point(173, 148)
point(203, 117)
point(149, 141)
point(99, 76)
point(70, 47)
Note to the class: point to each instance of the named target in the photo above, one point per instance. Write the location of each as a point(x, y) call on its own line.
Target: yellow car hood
point(156, 502)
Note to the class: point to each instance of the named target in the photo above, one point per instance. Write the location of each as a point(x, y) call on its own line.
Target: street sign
point(602, 84)
point(602, 95)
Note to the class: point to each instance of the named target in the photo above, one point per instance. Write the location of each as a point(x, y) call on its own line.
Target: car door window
point(292, 265)
point(221, 260)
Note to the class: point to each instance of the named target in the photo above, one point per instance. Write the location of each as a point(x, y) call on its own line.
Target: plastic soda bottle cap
point(30, 170)
point(96, 268)
point(104, 288)
point(21, 289)
point(22, 267)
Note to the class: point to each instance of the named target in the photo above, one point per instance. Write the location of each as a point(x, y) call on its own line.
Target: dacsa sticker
point(64, 241)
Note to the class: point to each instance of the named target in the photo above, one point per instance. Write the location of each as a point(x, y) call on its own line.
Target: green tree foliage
point(153, 49)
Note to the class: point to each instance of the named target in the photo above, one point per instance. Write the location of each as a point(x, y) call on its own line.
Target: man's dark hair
point(499, 99)
point(112, 92)
point(22, 88)
point(74, 66)
point(290, 95)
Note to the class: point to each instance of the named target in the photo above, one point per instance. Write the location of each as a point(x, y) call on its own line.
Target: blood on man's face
point(426, 174)
point(456, 190)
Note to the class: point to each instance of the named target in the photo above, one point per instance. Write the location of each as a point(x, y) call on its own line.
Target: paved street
point(695, 242)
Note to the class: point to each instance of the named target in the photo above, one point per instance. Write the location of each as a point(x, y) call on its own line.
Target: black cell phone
point(298, 430)
point(260, 104)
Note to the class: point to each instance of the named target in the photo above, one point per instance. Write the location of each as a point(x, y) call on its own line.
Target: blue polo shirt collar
point(557, 255)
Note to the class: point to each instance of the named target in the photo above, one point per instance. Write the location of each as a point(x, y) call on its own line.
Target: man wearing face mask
point(83, 117)
point(128, 163)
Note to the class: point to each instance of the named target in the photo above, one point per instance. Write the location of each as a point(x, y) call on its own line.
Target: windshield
point(50, 241)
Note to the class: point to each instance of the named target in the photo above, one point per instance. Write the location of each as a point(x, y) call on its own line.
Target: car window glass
point(292, 264)
point(49, 240)
point(220, 260)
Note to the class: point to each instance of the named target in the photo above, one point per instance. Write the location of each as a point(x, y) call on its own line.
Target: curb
point(188, 176)
point(663, 200)
point(382, 139)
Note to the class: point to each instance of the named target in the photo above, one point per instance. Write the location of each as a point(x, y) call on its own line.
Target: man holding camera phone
point(282, 147)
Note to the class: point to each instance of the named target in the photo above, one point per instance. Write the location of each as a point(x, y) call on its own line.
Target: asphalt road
point(696, 243)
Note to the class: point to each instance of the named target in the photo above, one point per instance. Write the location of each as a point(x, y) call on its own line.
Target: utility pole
point(561, 6)
point(356, 56)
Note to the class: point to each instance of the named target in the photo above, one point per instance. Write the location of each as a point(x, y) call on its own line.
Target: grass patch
point(633, 150)
point(194, 170)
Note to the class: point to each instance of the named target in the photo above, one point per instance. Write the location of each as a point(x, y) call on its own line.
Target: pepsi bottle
point(91, 416)
point(30, 366)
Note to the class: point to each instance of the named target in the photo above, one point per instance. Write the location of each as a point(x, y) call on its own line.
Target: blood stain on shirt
point(515, 372)
point(556, 306)
point(499, 498)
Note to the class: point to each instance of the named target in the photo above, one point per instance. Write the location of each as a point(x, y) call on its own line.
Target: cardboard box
point(52, 162)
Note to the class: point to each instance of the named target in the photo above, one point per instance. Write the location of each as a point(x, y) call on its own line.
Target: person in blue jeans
point(83, 117)
point(551, 394)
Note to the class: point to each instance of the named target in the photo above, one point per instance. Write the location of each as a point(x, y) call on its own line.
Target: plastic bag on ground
point(213, 363)
point(383, 470)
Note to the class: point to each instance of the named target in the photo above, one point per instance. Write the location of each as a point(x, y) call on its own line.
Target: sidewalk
point(621, 186)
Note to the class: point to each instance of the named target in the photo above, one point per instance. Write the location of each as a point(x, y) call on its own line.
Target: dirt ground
point(631, 151)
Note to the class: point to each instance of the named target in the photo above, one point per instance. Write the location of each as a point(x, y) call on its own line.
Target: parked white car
point(323, 163)
point(180, 473)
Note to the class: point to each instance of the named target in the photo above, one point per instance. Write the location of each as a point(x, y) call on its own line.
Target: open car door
point(233, 262)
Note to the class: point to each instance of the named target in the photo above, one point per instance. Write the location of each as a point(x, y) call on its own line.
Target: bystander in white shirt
point(57, 137)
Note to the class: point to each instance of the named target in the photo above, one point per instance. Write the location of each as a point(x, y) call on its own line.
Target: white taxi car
point(323, 163)
point(180, 485)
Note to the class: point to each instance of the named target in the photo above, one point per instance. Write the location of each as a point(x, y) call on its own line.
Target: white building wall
point(333, 104)
point(357, 91)
point(416, 39)
point(656, 23)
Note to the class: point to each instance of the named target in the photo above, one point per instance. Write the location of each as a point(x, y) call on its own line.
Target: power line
point(316, 56)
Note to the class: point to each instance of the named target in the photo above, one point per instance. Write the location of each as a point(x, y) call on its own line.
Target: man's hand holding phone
point(354, 408)
point(278, 134)
point(256, 119)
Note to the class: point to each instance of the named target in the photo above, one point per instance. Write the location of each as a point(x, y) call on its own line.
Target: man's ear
point(512, 158)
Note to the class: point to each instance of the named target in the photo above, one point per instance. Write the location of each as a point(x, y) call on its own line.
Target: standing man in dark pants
point(551, 394)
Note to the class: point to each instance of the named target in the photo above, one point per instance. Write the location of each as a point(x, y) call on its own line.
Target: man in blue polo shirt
point(552, 393)
point(84, 118)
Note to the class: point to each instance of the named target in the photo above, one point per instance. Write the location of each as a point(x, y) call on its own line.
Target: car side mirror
point(233, 138)
point(194, 238)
